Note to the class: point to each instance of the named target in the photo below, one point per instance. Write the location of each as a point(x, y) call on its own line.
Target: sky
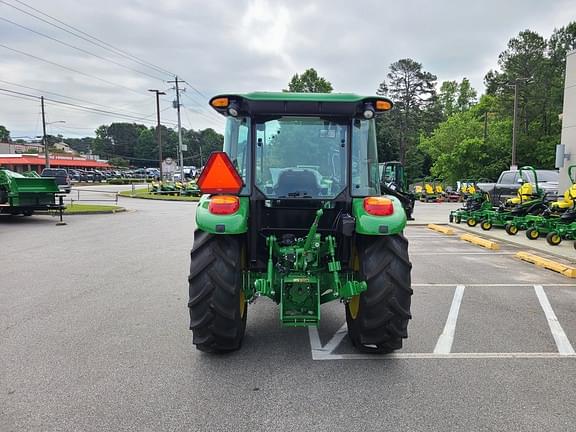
point(233, 46)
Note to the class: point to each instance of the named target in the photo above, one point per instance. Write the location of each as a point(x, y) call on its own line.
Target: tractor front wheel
point(532, 234)
point(217, 304)
point(472, 222)
point(486, 225)
point(378, 318)
point(553, 238)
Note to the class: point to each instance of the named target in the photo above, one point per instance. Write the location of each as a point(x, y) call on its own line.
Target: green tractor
point(393, 181)
point(292, 210)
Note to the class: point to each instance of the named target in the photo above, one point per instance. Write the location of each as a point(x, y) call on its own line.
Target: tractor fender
point(368, 224)
point(236, 223)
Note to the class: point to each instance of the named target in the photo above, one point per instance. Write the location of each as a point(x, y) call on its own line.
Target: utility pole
point(44, 138)
point(158, 128)
point(180, 154)
point(514, 163)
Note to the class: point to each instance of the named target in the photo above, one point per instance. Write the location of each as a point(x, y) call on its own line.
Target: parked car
point(509, 181)
point(74, 175)
point(61, 177)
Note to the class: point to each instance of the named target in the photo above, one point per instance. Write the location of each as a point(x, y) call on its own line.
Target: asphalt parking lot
point(93, 336)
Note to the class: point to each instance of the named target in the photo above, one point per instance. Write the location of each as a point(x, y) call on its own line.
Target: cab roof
point(288, 103)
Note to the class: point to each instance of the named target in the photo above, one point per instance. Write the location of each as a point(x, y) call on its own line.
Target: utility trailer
point(26, 193)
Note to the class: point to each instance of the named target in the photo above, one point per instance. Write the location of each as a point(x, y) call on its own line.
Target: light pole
point(514, 164)
point(158, 130)
point(44, 136)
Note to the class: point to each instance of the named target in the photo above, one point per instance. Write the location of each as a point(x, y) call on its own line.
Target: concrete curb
point(441, 229)
point(563, 269)
point(119, 210)
point(510, 241)
point(485, 243)
point(158, 199)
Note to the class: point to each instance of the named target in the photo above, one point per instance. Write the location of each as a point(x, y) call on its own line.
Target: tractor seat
point(429, 189)
point(418, 189)
point(567, 200)
point(525, 193)
point(303, 182)
point(439, 189)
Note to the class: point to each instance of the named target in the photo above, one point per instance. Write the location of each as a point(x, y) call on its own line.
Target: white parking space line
point(444, 344)
point(494, 285)
point(451, 356)
point(460, 253)
point(318, 350)
point(562, 342)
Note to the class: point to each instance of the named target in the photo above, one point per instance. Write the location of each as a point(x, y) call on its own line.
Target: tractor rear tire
point(511, 229)
point(486, 225)
point(532, 234)
point(378, 318)
point(553, 238)
point(472, 222)
point(217, 306)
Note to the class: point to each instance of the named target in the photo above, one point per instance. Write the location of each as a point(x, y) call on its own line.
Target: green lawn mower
point(475, 205)
point(530, 201)
point(557, 213)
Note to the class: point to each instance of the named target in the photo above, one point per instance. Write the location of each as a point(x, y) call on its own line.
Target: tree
point(460, 147)
point(466, 95)
point(146, 146)
point(4, 134)
point(413, 91)
point(447, 97)
point(309, 82)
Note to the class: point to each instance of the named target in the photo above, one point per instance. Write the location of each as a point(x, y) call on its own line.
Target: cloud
point(238, 46)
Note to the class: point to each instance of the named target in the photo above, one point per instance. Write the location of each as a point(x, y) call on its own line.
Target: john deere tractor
point(393, 181)
point(292, 210)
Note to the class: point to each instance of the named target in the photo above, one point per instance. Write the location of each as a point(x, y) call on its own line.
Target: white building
point(569, 120)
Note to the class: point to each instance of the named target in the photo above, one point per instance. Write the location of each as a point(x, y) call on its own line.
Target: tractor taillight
point(224, 204)
point(378, 206)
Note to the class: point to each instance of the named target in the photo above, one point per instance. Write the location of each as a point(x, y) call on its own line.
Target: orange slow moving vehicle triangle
point(219, 176)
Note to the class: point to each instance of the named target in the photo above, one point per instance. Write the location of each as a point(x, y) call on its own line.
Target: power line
point(100, 43)
point(208, 112)
point(214, 122)
point(26, 96)
point(70, 69)
point(69, 97)
point(91, 39)
point(79, 49)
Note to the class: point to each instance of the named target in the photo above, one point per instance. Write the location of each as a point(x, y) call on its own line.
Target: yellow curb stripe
point(563, 269)
point(441, 229)
point(488, 244)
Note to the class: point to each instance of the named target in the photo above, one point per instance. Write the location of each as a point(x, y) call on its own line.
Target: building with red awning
point(33, 162)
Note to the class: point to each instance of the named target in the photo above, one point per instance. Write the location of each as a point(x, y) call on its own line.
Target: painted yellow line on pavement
point(563, 269)
point(441, 229)
point(488, 244)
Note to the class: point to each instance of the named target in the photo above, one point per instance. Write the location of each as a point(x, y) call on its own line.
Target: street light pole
point(158, 128)
point(514, 163)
